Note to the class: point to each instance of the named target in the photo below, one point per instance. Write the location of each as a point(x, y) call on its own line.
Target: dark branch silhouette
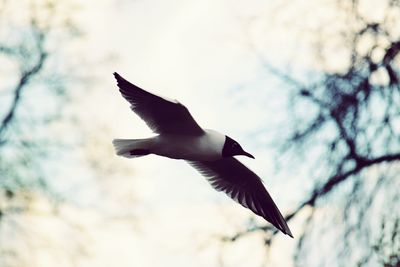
point(358, 106)
point(29, 51)
point(319, 192)
point(29, 44)
point(22, 83)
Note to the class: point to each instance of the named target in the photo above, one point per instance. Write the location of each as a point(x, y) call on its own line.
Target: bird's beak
point(244, 153)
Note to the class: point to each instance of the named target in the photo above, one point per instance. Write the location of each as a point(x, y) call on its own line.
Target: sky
point(195, 52)
point(153, 211)
point(172, 51)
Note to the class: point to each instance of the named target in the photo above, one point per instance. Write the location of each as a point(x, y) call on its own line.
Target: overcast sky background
point(155, 211)
point(212, 56)
point(198, 53)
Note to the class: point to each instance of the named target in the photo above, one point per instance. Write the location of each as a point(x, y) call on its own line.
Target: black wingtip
point(289, 234)
point(285, 229)
point(117, 76)
point(120, 80)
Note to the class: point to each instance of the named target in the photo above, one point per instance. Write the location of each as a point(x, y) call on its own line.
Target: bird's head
point(232, 148)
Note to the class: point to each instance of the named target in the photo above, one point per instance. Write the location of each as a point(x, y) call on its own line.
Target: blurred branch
point(389, 56)
point(24, 79)
point(7, 50)
point(326, 188)
point(337, 179)
point(343, 113)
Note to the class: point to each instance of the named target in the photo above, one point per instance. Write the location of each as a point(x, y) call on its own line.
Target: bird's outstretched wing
point(244, 186)
point(162, 115)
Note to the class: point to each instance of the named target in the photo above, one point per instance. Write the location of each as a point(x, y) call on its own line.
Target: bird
point(208, 151)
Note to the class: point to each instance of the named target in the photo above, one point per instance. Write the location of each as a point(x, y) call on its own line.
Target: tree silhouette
point(32, 89)
point(33, 83)
point(345, 124)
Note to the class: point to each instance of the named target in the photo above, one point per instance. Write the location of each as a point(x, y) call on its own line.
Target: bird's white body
point(206, 147)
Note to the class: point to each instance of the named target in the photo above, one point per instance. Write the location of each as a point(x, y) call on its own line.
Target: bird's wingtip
point(119, 78)
point(289, 233)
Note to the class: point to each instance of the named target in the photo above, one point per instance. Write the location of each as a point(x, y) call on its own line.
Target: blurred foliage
point(387, 247)
point(343, 124)
point(34, 35)
point(49, 153)
point(35, 75)
point(33, 87)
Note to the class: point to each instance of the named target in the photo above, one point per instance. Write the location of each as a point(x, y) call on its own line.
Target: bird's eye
point(235, 145)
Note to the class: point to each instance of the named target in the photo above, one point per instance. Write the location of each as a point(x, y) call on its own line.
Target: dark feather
point(163, 116)
point(244, 186)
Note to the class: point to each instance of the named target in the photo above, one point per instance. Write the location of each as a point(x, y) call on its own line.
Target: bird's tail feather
point(131, 148)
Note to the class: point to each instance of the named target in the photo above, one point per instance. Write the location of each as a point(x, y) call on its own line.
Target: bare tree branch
point(319, 192)
point(26, 76)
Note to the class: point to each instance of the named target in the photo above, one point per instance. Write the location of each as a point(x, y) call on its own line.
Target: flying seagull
point(211, 153)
